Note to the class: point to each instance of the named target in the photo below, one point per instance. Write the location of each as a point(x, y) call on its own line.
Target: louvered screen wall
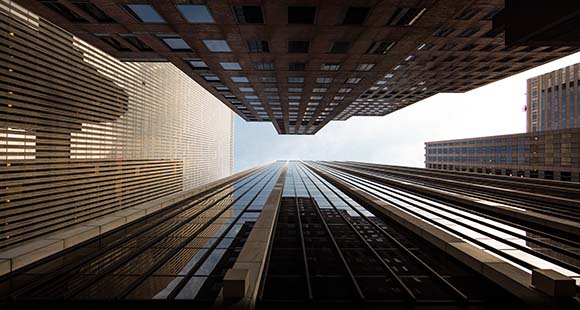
point(83, 135)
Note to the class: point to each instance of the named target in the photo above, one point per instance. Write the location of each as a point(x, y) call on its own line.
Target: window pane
point(176, 43)
point(198, 64)
point(231, 66)
point(249, 14)
point(217, 45)
point(240, 79)
point(301, 14)
point(197, 14)
point(146, 13)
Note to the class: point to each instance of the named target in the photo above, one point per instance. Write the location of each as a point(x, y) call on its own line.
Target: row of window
point(291, 80)
point(477, 159)
point(485, 141)
point(245, 14)
point(531, 173)
point(479, 150)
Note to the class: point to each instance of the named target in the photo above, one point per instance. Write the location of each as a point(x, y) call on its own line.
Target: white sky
point(399, 137)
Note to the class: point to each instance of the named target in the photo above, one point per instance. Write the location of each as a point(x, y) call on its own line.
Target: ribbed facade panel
point(83, 134)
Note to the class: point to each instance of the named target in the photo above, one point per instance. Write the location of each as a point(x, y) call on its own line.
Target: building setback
point(328, 234)
point(301, 65)
point(83, 135)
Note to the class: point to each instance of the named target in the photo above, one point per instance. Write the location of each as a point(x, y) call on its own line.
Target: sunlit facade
point(83, 135)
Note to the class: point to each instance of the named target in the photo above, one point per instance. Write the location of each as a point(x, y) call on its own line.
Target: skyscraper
point(302, 65)
point(553, 100)
point(85, 137)
point(330, 234)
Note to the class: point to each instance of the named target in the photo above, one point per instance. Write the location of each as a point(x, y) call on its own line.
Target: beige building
point(83, 134)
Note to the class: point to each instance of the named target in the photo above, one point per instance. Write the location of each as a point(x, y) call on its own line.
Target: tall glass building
point(329, 235)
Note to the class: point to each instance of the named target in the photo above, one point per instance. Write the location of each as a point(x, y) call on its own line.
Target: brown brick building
point(303, 64)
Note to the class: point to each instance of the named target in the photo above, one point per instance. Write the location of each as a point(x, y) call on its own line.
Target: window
point(249, 14)
point(380, 47)
point(246, 89)
point(294, 97)
point(316, 97)
point(94, 12)
point(211, 77)
point(443, 32)
point(268, 79)
point(64, 11)
point(344, 90)
point(264, 66)
point(231, 65)
point(468, 32)
point(468, 13)
point(301, 14)
point(198, 64)
point(340, 47)
point(240, 79)
point(222, 88)
point(405, 16)
point(320, 90)
point(133, 40)
point(352, 80)
point(295, 80)
point(113, 42)
point(258, 46)
point(355, 15)
point(364, 67)
point(330, 67)
point(145, 13)
point(217, 45)
point(295, 90)
point(323, 80)
point(251, 97)
point(271, 89)
point(176, 43)
point(195, 13)
point(296, 66)
point(298, 46)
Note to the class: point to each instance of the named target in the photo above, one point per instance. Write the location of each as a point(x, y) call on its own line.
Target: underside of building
point(302, 65)
point(327, 235)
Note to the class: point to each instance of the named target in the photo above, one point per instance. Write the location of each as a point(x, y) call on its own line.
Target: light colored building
point(84, 135)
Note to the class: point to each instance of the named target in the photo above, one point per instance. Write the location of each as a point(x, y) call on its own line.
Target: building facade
point(326, 235)
point(548, 150)
point(550, 154)
point(553, 100)
point(83, 135)
point(301, 66)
